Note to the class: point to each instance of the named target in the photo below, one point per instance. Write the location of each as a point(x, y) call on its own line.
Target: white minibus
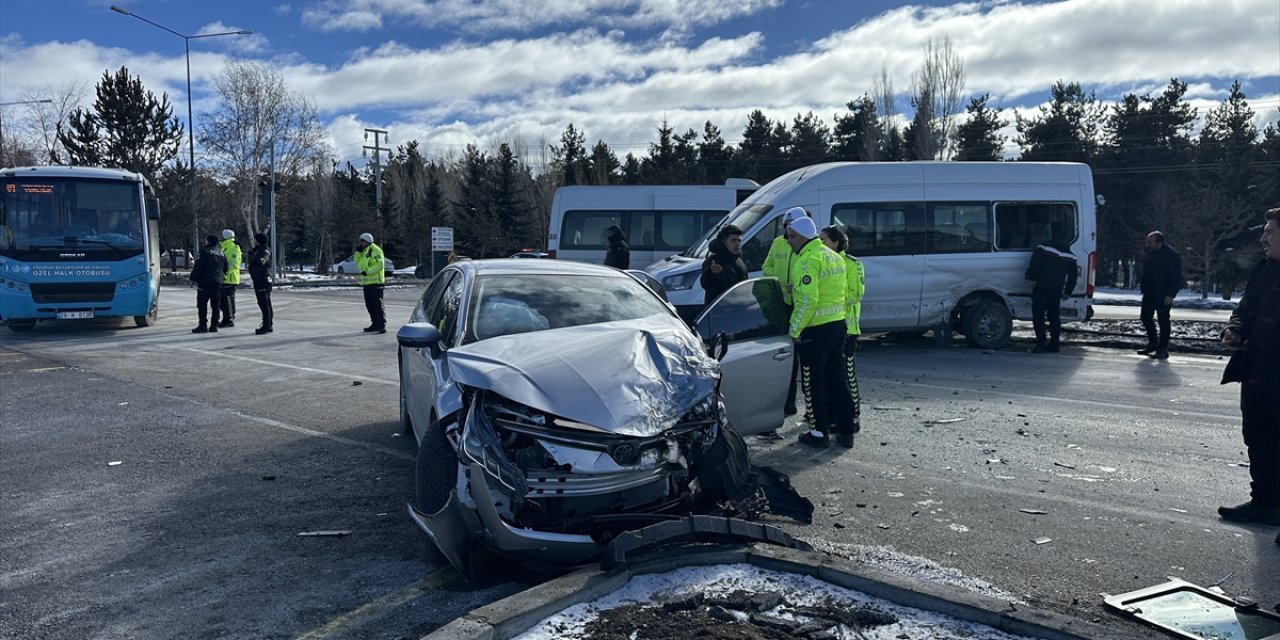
point(945, 244)
point(658, 220)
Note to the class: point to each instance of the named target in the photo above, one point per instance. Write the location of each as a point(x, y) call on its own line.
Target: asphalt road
point(229, 445)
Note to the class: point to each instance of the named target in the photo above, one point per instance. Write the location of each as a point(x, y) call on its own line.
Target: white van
point(945, 244)
point(658, 220)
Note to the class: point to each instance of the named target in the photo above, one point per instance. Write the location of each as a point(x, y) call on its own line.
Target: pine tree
point(859, 134)
point(810, 141)
point(1066, 129)
point(715, 156)
point(978, 138)
point(128, 127)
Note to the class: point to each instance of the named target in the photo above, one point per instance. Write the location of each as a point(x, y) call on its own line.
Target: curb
point(516, 614)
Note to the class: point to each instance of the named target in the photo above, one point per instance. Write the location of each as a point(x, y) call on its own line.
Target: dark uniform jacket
point(1053, 268)
point(260, 267)
point(732, 271)
point(1161, 274)
point(210, 269)
point(618, 255)
point(1257, 320)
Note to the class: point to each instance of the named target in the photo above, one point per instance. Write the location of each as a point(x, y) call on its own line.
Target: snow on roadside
point(1186, 299)
point(722, 580)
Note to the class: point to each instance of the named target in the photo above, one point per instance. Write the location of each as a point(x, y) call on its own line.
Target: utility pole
point(377, 149)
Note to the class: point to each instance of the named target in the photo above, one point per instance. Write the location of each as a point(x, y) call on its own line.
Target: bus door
point(889, 238)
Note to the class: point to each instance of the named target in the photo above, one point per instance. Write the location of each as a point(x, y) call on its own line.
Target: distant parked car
point(349, 266)
point(529, 253)
point(176, 259)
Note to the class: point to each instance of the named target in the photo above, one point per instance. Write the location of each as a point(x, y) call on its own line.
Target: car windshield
point(519, 303)
point(744, 217)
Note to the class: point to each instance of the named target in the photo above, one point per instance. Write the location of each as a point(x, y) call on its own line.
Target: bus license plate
point(74, 315)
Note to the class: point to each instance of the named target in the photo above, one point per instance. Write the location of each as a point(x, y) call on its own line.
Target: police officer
point(835, 239)
point(778, 264)
point(372, 268)
point(207, 276)
point(260, 273)
point(818, 329)
point(231, 280)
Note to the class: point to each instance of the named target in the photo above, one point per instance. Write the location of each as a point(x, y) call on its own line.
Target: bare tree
point(882, 93)
point(1200, 224)
point(43, 118)
point(937, 93)
point(258, 118)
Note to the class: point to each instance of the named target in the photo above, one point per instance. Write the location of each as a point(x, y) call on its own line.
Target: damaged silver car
point(557, 405)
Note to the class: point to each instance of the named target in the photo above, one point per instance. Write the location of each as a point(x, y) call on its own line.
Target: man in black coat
point(206, 277)
point(260, 272)
point(1253, 332)
point(724, 267)
point(618, 255)
point(1052, 272)
point(1161, 281)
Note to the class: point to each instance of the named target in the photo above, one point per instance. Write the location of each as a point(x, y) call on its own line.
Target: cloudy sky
point(452, 72)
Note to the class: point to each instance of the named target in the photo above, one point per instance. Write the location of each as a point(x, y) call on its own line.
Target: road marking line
point(43, 369)
point(439, 578)
point(336, 374)
point(327, 436)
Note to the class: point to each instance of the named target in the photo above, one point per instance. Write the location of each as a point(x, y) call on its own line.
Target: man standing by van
point(724, 267)
point(818, 329)
point(1161, 281)
point(1052, 274)
point(778, 264)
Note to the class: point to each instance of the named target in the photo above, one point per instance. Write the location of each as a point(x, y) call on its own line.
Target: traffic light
point(265, 197)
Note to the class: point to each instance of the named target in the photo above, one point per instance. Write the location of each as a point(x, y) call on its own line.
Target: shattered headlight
point(480, 444)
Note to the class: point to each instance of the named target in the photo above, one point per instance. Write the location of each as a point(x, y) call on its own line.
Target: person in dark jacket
point(1052, 272)
point(260, 273)
point(206, 276)
point(1161, 281)
point(724, 267)
point(619, 253)
point(1253, 332)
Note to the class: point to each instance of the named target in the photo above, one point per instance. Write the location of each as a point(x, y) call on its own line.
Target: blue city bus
point(76, 243)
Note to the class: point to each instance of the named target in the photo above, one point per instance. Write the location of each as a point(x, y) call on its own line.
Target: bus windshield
point(93, 217)
point(744, 217)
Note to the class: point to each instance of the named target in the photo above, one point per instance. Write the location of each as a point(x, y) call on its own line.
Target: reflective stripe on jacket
point(232, 251)
point(780, 263)
point(855, 279)
point(371, 264)
point(819, 287)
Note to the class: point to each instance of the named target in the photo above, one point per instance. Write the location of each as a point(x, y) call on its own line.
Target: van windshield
point(744, 217)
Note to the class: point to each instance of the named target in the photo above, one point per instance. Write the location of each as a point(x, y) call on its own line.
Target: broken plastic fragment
point(326, 534)
point(115, 463)
point(1033, 511)
point(1065, 465)
point(1042, 540)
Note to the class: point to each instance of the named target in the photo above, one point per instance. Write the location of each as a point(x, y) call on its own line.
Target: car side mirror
point(718, 346)
point(419, 335)
point(153, 208)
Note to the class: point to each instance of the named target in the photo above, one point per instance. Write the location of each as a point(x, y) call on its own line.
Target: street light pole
point(191, 124)
point(10, 104)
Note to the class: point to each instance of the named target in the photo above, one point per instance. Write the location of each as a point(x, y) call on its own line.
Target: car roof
point(524, 266)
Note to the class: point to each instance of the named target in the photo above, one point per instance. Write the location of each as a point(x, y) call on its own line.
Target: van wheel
point(987, 325)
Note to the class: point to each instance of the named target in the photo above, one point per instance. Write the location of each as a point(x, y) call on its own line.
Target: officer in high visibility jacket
point(834, 238)
point(779, 264)
point(231, 280)
point(818, 329)
point(372, 268)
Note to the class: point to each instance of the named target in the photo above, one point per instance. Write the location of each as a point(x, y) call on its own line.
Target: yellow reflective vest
point(818, 287)
point(854, 274)
point(232, 251)
point(371, 265)
point(779, 264)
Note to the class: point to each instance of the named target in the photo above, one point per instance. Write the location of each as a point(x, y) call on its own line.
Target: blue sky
point(452, 72)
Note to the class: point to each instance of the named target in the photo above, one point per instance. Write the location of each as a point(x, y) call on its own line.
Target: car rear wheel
point(987, 325)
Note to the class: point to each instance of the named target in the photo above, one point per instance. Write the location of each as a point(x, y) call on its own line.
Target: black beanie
point(211, 239)
point(260, 238)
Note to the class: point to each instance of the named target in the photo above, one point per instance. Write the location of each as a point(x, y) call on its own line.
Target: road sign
point(442, 238)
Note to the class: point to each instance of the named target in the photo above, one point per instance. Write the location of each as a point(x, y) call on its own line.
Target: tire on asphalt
point(987, 324)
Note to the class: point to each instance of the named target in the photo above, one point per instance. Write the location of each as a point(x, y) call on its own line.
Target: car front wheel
point(436, 470)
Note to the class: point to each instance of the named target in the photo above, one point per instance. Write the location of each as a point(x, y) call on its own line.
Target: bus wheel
point(150, 318)
point(987, 325)
point(21, 325)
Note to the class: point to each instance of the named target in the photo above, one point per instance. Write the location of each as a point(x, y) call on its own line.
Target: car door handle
point(782, 354)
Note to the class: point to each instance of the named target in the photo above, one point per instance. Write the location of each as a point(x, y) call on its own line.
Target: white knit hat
point(228, 234)
point(805, 228)
point(367, 237)
point(793, 214)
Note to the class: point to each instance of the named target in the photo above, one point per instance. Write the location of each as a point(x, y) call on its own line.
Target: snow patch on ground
point(721, 580)
point(1186, 299)
point(914, 567)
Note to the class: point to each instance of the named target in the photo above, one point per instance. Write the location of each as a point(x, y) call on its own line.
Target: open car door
point(757, 364)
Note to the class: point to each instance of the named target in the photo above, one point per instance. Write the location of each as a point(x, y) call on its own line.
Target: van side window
point(639, 230)
point(679, 229)
point(959, 227)
point(585, 229)
point(755, 250)
point(1023, 225)
point(882, 229)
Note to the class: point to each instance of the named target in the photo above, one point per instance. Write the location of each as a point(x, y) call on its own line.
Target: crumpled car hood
point(636, 377)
